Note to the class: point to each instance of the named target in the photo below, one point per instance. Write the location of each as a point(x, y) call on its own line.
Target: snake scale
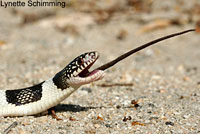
point(47, 94)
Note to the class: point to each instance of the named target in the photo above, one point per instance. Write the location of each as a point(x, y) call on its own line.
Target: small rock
point(153, 118)
point(21, 131)
point(169, 123)
point(96, 125)
point(181, 68)
point(99, 118)
point(186, 78)
point(162, 90)
point(108, 125)
point(122, 34)
point(118, 106)
point(89, 90)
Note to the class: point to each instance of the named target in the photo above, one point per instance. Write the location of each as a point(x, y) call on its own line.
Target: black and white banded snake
point(49, 93)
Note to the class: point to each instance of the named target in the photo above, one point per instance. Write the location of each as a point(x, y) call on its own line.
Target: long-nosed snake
point(49, 93)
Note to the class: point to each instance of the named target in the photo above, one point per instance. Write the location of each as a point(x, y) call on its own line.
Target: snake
point(49, 93)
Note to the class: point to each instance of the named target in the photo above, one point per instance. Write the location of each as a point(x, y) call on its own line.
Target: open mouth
point(85, 72)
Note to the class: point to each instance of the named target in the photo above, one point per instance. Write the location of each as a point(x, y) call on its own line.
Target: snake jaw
point(78, 81)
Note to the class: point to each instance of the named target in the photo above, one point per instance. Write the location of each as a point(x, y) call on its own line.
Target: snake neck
point(60, 80)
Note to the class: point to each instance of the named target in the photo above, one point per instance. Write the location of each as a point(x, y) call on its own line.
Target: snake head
point(77, 73)
point(79, 67)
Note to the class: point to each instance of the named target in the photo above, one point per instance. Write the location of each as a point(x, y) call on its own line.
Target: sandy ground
point(162, 94)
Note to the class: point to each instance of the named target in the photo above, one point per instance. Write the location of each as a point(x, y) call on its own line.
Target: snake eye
point(92, 55)
point(80, 61)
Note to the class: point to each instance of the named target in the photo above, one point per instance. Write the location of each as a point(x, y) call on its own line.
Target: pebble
point(169, 123)
point(96, 125)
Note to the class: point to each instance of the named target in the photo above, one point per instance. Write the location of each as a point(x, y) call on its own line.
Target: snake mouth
point(85, 72)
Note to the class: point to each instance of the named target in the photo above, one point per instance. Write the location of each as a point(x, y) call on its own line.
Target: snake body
point(49, 93)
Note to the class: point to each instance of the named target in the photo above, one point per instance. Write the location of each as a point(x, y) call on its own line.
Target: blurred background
point(33, 38)
point(37, 42)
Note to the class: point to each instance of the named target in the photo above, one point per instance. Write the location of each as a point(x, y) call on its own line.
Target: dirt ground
point(160, 86)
